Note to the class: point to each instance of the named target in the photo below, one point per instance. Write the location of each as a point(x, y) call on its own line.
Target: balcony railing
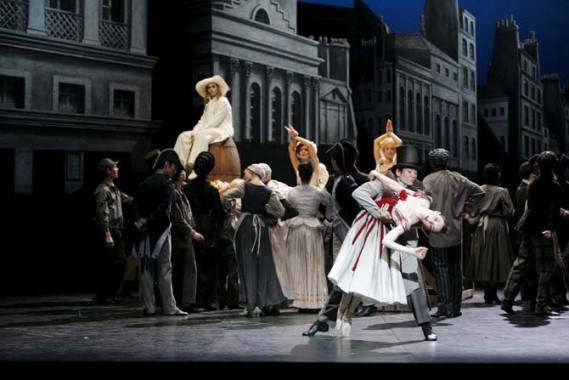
point(113, 34)
point(64, 25)
point(14, 14)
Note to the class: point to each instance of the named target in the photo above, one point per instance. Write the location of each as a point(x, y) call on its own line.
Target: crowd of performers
point(261, 245)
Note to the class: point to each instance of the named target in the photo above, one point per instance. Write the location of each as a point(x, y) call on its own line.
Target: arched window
point(464, 48)
point(455, 141)
point(465, 148)
point(276, 116)
point(255, 113)
point(419, 114)
point(473, 112)
point(262, 16)
point(295, 111)
point(401, 108)
point(471, 51)
point(446, 128)
point(410, 109)
point(427, 116)
point(438, 131)
point(465, 112)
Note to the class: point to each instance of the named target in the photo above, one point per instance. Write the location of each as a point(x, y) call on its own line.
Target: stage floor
point(71, 329)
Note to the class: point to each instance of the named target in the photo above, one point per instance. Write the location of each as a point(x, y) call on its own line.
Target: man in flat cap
point(111, 259)
point(153, 246)
point(454, 196)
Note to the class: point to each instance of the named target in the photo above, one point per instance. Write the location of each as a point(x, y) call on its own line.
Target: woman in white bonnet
point(215, 125)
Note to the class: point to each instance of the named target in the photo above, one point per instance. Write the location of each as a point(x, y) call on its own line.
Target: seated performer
point(215, 125)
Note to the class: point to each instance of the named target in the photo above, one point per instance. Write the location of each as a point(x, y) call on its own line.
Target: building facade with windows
point(276, 76)
point(75, 85)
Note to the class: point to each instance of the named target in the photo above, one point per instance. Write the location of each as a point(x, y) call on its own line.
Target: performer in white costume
point(215, 125)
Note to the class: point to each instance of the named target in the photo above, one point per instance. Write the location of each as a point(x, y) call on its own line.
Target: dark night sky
point(548, 18)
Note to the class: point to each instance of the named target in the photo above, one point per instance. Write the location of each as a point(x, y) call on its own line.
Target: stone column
point(91, 23)
point(266, 133)
point(235, 99)
point(306, 110)
point(288, 80)
point(315, 86)
point(36, 17)
point(245, 104)
point(138, 27)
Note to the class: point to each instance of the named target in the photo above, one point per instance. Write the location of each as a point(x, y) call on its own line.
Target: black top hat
point(169, 155)
point(407, 157)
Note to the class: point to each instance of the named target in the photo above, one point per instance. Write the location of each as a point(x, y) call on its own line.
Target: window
point(473, 112)
point(380, 96)
point(64, 5)
point(472, 51)
point(485, 112)
point(123, 103)
point(465, 112)
point(438, 68)
point(493, 112)
point(419, 114)
point(263, 17)
point(296, 111)
point(465, 148)
point(446, 133)
point(539, 96)
point(276, 115)
point(113, 10)
point(502, 111)
point(473, 148)
point(464, 48)
point(526, 87)
point(12, 92)
point(438, 131)
point(455, 140)
point(532, 92)
point(410, 118)
point(526, 115)
point(427, 116)
point(472, 27)
point(465, 77)
point(255, 112)
point(71, 98)
point(472, 81)
point(388, 95)
point(447, 72)
point(402, 108)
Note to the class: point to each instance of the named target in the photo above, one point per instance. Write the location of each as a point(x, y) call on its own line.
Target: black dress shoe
point(316, 327)
point(454, 315)
point(507, 307)
point(440, 314)
point(367, 310)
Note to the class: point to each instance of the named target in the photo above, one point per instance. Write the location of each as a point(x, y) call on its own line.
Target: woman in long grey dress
point(252, 244)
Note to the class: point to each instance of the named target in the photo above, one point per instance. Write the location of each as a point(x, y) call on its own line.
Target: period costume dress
point(363, 267)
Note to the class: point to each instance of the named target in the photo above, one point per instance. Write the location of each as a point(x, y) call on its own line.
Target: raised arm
point(292, 146)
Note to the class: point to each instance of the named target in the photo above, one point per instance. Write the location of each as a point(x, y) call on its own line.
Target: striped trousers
point(448, 275)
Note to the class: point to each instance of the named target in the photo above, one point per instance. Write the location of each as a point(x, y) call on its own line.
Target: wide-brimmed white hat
point(202, 84)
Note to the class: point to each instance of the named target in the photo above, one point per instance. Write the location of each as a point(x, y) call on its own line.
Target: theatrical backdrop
point(83, 80)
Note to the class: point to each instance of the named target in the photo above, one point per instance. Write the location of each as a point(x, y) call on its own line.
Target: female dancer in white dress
point(364, 267)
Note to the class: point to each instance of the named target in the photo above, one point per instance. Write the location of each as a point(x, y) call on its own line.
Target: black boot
point(316, 327)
